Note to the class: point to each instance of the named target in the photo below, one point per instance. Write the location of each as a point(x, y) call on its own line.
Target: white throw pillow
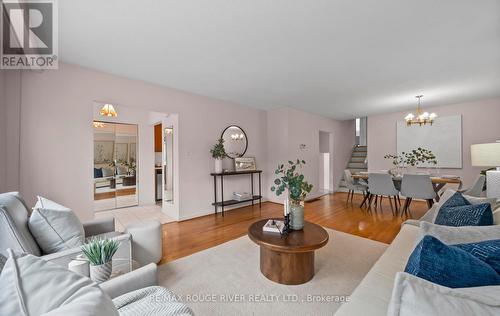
point(55, 227)
point(451, 235)
point(33, 286)
point(413, 296)
point(496, 216)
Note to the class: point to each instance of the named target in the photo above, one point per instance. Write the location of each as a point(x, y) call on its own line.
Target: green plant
point(100, 251)
point(287, 178)
point(218, 151)
point(413, 158)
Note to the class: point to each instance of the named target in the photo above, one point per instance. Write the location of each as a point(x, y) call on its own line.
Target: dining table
point(438, 182)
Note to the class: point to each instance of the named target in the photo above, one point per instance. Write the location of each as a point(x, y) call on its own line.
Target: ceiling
point(338, 58)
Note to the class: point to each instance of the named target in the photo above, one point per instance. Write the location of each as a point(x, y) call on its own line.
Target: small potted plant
point(99, 253)
point(218, 153)
point(290, 180)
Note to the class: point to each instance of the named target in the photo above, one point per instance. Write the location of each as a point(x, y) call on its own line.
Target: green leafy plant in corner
point(100, 251)
point(218, 151)
point(288, 178)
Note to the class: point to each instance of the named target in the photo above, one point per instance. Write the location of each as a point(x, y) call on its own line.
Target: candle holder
point(286, 228)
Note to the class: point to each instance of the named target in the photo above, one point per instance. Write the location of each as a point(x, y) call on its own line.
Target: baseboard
point(226, 209)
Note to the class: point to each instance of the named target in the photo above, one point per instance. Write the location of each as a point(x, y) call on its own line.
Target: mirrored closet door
point(115, 165)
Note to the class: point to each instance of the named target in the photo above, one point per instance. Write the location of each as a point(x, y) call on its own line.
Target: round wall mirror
point(235, 141)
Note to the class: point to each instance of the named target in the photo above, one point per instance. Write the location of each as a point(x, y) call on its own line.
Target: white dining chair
point(352, 186)
point(380, 185)
point(417, 186)
point(477, 188)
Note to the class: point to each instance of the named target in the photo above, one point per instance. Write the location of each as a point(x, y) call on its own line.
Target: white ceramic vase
point(101, 272)
point(218, 165)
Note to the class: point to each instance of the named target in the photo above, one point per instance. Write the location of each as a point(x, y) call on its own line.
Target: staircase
point(356, 164)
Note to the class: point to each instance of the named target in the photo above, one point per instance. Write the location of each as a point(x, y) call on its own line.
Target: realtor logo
point(29, 34)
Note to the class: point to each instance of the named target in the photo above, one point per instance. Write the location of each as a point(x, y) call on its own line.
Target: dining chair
point(380, 185)
point(477, 188)
point(352, 186)
point(417, 186)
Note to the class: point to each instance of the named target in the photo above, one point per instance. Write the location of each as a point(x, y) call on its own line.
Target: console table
point(223, 203)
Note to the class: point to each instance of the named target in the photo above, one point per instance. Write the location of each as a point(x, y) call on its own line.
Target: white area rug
point(226, 280)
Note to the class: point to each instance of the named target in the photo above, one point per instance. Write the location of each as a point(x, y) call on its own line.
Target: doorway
point(325, 162)
point(115, 165)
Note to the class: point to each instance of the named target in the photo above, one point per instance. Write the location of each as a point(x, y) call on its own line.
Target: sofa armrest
point(135, 280)
point(62, 258)
point(99, 226)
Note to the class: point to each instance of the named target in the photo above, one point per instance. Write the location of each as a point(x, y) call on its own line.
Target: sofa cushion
point(465, 215)
point(55, 227)
point(458, 235)
point(33, 286)
point(97, 173)
point(153, 300)
point(413, 296)
point(3, 259)
point(449, 266)
point(108, 172)
point(14, 232)
point(487, 251)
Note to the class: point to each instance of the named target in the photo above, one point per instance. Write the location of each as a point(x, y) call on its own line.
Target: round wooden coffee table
point(288, 260)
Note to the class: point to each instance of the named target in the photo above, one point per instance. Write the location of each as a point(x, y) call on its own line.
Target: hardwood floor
point(181, 239)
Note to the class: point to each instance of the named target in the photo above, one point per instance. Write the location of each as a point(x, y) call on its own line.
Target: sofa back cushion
point(33, 286)
point(14, 232)
point(55, 227)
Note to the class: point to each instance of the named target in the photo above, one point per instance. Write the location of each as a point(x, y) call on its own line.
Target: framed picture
point(244, 163)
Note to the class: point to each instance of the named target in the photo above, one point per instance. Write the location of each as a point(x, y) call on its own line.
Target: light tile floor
point(129, 215)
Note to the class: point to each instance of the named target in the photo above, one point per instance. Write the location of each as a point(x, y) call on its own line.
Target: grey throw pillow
point(3, 259)
point(33, 286)
point(458, 235)
point(55, 227)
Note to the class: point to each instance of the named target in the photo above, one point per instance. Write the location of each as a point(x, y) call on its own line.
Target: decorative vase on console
point(290, 181)
point(218, 153)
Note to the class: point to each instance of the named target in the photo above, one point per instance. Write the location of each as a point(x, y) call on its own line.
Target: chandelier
point(237, 137)
point(108, 110)
point(419, 117)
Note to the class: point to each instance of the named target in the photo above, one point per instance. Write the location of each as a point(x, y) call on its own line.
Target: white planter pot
point(218, 165)
point(101, 272)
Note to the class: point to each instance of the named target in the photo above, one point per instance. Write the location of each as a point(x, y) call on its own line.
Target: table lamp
point(488, 155)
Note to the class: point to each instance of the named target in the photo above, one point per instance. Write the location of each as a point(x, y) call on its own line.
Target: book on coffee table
point(274, 226)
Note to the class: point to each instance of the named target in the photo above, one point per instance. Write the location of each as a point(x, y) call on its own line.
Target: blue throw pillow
point(456, 199)
point(466, 215)
point(449, 266)
point(97, 173)
point(487, 251)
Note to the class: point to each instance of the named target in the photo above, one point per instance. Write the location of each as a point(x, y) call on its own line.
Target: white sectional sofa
point(373, 294)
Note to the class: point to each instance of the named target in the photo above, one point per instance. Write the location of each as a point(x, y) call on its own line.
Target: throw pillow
point(412, 296)
point(459, 235)
point(496, 216)
point(33, 286)
point(55, 227)
point(487, 251)
point(449, 266)
point(457, 199)
point(465, 215)
point(3, 259)
point(97, 173)
point(108, 172)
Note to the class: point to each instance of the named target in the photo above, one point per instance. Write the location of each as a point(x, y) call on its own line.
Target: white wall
point(56, 140)
point(480, 124)
point(289, 128)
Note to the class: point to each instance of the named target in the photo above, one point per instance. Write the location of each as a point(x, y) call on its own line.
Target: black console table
point(223, 203)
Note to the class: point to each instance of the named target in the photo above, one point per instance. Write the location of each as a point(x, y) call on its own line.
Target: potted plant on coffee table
point(99, 253)
point(218, 153)
point(289, 180)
